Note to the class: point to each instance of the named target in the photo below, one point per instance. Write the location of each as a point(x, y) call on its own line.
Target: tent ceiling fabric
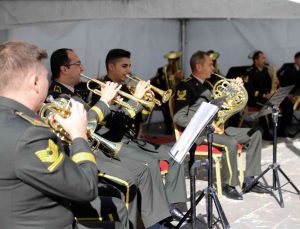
point(13, 13)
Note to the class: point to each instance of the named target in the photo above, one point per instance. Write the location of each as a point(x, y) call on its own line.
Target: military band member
point(37, 179)
point(289, 73)
point(190, 93)
point(119, 127)
point(167, 77)
point(66, 68)
point(261, 86)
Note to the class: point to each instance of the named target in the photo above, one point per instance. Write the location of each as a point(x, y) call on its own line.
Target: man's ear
point(33, 82)
point(111, 66)
point(198, 67)
point(63, 69)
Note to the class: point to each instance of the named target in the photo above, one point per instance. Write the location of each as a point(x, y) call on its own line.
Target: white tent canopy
point(24, 12)
point(151, 28)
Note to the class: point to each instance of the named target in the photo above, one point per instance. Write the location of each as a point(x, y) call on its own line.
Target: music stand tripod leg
point(209, 192)
point(274, 166)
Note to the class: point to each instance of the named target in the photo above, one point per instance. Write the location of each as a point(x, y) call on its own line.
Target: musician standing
point(37, 179)
point(189, 95)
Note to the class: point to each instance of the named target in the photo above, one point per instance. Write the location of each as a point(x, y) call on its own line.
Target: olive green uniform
point(132, 178)
point(189, 95)
point(37, 179)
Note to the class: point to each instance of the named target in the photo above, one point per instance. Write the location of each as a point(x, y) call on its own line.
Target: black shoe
point(257, 188)
point(231, 193)
point(176, 214)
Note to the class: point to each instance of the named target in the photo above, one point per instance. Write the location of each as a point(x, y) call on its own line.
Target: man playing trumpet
point(66, 68)
point(120, 126)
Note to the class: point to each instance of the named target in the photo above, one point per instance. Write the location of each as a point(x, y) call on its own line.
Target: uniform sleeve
point(99, 112)
point(41, 163)
point(183, 110)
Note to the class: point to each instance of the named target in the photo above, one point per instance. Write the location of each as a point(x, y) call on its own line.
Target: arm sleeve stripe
point(99, 113)
point(84, 156)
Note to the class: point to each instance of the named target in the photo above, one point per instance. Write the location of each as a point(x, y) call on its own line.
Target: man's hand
point(76, 124)
point(141, 88)
point(109, 91)
point(239, 81)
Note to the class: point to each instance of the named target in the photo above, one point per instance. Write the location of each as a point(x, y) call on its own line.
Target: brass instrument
point(272, 72)
point(98, 92)
point(236, 99)
point(165, 95)
point(61, 106)
point(146, 104)
point(171, 69)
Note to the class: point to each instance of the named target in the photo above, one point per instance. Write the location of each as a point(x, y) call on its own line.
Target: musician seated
point(190, 93)
point(167, 77)
point(261, 86)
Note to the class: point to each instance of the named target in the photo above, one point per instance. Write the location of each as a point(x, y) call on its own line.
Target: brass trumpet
point(62, 107)
point(165, 95)
point(98, 92)
point(146, 104)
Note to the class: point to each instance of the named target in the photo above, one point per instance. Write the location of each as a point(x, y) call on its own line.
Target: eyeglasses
point(78, 63)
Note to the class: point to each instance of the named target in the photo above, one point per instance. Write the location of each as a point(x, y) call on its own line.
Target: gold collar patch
point(181, 95)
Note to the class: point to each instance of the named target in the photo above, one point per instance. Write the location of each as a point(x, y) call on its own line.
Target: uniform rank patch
point(50, 155)
point(181, 95)
point(57, 89)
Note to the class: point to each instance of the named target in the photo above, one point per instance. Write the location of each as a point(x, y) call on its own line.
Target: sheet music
point(198, 123)
point(275, 100)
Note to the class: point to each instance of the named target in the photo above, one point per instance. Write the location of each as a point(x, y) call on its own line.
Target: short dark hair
point(115, 54)
point(256, 55)
point(57, 59)
point(297, 55)
point(196, 58)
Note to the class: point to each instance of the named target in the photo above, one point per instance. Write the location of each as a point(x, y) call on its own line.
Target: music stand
point(197, 126)
point(272, 106)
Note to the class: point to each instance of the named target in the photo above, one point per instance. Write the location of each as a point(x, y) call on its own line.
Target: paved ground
point(262, 210)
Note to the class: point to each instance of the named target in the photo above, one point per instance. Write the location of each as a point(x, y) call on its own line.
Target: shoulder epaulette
point(187, 79)
point(33, 121)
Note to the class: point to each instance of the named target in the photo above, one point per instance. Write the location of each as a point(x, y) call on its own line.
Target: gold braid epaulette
point(32, 120)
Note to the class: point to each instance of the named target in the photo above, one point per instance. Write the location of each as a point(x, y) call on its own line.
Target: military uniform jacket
point(122, 121)
point(189, 95)
point(36, 178)
point(288, 75)
point(98, 112)
point(257, 84)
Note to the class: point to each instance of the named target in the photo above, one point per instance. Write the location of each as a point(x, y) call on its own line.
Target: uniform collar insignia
point(181, 95)
point(57, 89)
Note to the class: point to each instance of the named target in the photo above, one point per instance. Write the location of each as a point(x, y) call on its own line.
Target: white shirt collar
point(200, 80)
point(69, 87)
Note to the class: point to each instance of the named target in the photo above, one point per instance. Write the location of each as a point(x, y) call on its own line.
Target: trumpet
point(146, 104)
point(165, 95)
point(98, 92)
point(61, 106)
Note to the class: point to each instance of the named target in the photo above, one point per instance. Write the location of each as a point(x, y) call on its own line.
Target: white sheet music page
point(198, 123)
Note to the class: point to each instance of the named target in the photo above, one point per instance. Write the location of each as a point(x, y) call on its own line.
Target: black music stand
point(272, 106)
point(210, 191)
